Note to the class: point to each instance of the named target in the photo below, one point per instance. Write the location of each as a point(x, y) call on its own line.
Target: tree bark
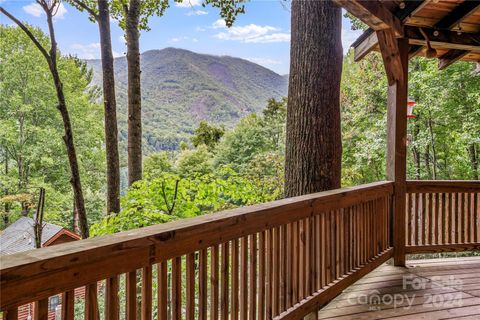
point(313, 142)
point(68, 137)
point(110, 107)
point(132, 13)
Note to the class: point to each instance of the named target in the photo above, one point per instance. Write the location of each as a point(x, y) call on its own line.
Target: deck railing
point(442, 216)
point(278, 260)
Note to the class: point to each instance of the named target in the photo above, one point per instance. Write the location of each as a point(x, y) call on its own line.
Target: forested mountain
point(180, 88)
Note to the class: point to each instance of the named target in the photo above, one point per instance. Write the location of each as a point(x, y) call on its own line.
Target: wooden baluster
point(91, 302)
point(243, 278)
point(269, 274)
point(202, 298)
point(409, 219)
point(476, 214)
point(224, 280)
point(289, 265)
point(276, 275)
point(416, 222)
point(308, 238)
point(462, 217)
point(68, 307)
point(327, 247)
point(423, 228)
point(430, 218)
point(214, 273)
point(253, 278)
point(112, 308)
point(437, 216)
point(283, 267)
point(333, 238)
point(190, 314)
point(235, 284)
point(131, 295)
point(12, 314)
point(451, 220)
point(40, 310)
point(469, 218)
point(177, 288)
point(323, 240)
point(162, 291)
point(444, 218)
point(261, 278)
point(147, 293)
point(318, 247)
point(459, 215)
point(295, 261)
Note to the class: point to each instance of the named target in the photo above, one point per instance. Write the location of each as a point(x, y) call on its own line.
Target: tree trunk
point(473, 160)
point(110, 107)
point(416, 154)
point(134, 93)
point(68, 137)
point(427, 161)
point(432, 139)
point(313, 142)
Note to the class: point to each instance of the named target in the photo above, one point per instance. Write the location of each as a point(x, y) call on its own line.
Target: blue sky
point(261, 35)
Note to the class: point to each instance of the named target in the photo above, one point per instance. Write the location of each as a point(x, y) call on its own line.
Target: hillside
point(180, 88)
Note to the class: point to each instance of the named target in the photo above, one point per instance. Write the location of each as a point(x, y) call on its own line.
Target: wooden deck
point(427, 289)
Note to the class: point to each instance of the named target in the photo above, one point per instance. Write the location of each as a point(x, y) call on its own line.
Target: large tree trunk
point(110, 107)
point(134, 93)
point(68, 136)
point(313, 144)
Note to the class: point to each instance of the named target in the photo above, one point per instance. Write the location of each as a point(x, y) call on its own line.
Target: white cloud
point(200, 29)
point(250, 33)
point(36, 10)
point(195, 40)
point(188, 3)
point(348, 37)
point(196, 13)
point(33, 9)
point(90, 51)
point(122, 39)
point(265, 61)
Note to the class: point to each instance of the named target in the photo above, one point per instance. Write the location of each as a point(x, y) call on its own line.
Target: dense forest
point(217, 167)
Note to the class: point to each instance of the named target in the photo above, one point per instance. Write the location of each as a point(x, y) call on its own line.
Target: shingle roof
point(19, 236)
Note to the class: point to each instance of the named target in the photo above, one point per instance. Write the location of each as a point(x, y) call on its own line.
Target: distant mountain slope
point(180, 88)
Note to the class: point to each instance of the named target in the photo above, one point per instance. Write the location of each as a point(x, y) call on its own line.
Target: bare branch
point(82, 5)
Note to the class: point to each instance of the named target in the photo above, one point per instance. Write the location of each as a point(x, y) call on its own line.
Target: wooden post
point(395, 57)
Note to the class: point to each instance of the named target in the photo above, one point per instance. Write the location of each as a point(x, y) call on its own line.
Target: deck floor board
point(427, 289)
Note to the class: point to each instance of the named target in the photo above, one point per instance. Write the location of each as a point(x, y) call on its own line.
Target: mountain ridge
point(180, 88)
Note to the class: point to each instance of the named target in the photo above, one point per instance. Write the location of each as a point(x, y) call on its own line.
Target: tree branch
point(82, 5)
point(28, 33)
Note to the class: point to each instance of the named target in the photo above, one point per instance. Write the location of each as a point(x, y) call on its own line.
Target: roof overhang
point(450, 27)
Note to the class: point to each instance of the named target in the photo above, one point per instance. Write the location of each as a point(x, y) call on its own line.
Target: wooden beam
point(443, 38)
point(414, 50)
point(391, 55)
point(450, 57)
point(411, 8)
point(365, 47)
point(457, 15)
point(397, 137)
point(374, 14)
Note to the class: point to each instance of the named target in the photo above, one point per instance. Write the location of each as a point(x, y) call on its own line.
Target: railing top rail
point(51, 270)
point(419, 186)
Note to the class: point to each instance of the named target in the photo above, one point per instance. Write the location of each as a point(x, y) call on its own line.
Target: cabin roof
point(19, 236)
point(451, 27)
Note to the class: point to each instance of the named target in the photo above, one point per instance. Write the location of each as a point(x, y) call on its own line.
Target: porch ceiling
point(451, 27)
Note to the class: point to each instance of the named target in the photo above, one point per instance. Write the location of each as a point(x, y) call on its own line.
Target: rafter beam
point(414, 50)
point(374, 14)
point(443, 39)
point(461, 12)
point(451, 57)
point(365, 47)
